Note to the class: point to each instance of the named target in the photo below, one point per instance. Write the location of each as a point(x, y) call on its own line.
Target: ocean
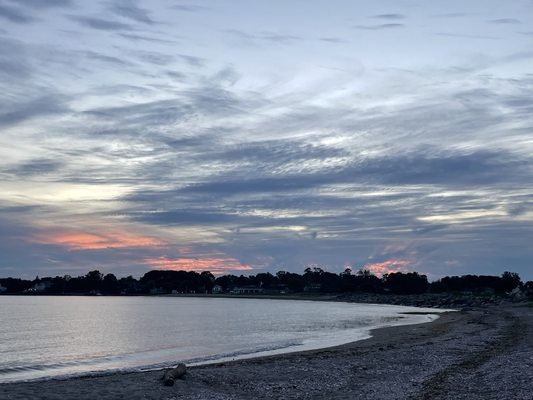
point(48, 336)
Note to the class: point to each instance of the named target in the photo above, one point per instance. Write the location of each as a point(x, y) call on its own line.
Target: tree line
point(312, 280)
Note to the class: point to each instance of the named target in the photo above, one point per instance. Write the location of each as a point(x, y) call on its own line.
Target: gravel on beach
point(480, 353)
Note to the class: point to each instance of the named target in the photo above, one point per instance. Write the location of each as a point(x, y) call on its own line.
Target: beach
point(481, 353)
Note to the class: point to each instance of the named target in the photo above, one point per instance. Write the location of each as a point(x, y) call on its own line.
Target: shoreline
point(430, 300)
point(443, 359)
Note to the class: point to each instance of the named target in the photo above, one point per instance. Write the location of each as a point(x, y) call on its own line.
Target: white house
point(217, 289)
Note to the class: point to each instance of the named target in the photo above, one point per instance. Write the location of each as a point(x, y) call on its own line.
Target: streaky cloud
point(452, 15)
point(36, 167)
point(107, 58)
point(272, 37)
point(332, 40)
point(143, 38)
point(16, 15)
point(15, 113)
point(379, 27)
point(466, 35)
point(43, 4)
point(188, 7)
point(130, 10)
point(482, 167)
point(392, 17)
point(100, 23)
point(193, 61)
point(505, 21)
point(14, 63)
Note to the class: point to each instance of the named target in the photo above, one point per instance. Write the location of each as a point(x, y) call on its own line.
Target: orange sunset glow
point(92, 241)
point(216, 265)
point(387, 267)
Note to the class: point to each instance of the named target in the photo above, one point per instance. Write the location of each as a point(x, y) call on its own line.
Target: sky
point(247, 136)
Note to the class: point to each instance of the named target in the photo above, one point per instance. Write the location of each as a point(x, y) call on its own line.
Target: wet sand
point(484, 353)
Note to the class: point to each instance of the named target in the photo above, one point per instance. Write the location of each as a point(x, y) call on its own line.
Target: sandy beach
point(482, 353)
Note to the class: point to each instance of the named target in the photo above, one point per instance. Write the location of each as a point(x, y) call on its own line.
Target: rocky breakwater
point(436, 300)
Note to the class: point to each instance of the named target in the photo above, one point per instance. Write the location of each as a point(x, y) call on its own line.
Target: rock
point(170, 375)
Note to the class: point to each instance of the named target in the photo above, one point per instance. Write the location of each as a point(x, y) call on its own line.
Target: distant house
point(217, 289)
point(41, 286)
point(3, 289)
point(249, 289)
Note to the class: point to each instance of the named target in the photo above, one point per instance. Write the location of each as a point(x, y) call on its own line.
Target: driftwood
point(172, 374)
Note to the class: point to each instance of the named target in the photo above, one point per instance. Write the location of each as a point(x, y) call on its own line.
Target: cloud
point(480, 167)
point(279, 152)
point(240, 157)
point(163, 111)
point(16, 15)
point(193, 61)
point(452, 15)
point(188, 7)
point(466, 36)
point(332, 40)
point(36, 167)
point(389, 16)
point(143, 38)
point(100, 23)
point(189, 217)
point(14, 10)
point(155, 58)
point(13, 113)
point(428, 228)
point(42, 4)
point(505, 21)
point(263, 37)
point(240, 34)
point(216, 265)
point(80, 240)
point(279, 38)
point(379, 27)
point(519, 209)
point(129, 9)
point(14, 63)
point(387, 267)
point(107, 58)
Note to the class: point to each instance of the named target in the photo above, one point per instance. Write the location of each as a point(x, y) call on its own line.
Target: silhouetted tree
point(110, 284)
point(226, 281)
point(92, 281)
point(477, 283)
point(406, 283)
point(191, 281)
point(294, 281)
point(15, 285)
point(511, 280)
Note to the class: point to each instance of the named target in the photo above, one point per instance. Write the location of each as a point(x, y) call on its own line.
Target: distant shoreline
point(431, 300)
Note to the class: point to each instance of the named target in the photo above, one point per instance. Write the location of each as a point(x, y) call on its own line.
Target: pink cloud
point(386, 267)
point(109, 239)
point(216, 265)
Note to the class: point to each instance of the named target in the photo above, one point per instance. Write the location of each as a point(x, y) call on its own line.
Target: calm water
point(54, 336)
